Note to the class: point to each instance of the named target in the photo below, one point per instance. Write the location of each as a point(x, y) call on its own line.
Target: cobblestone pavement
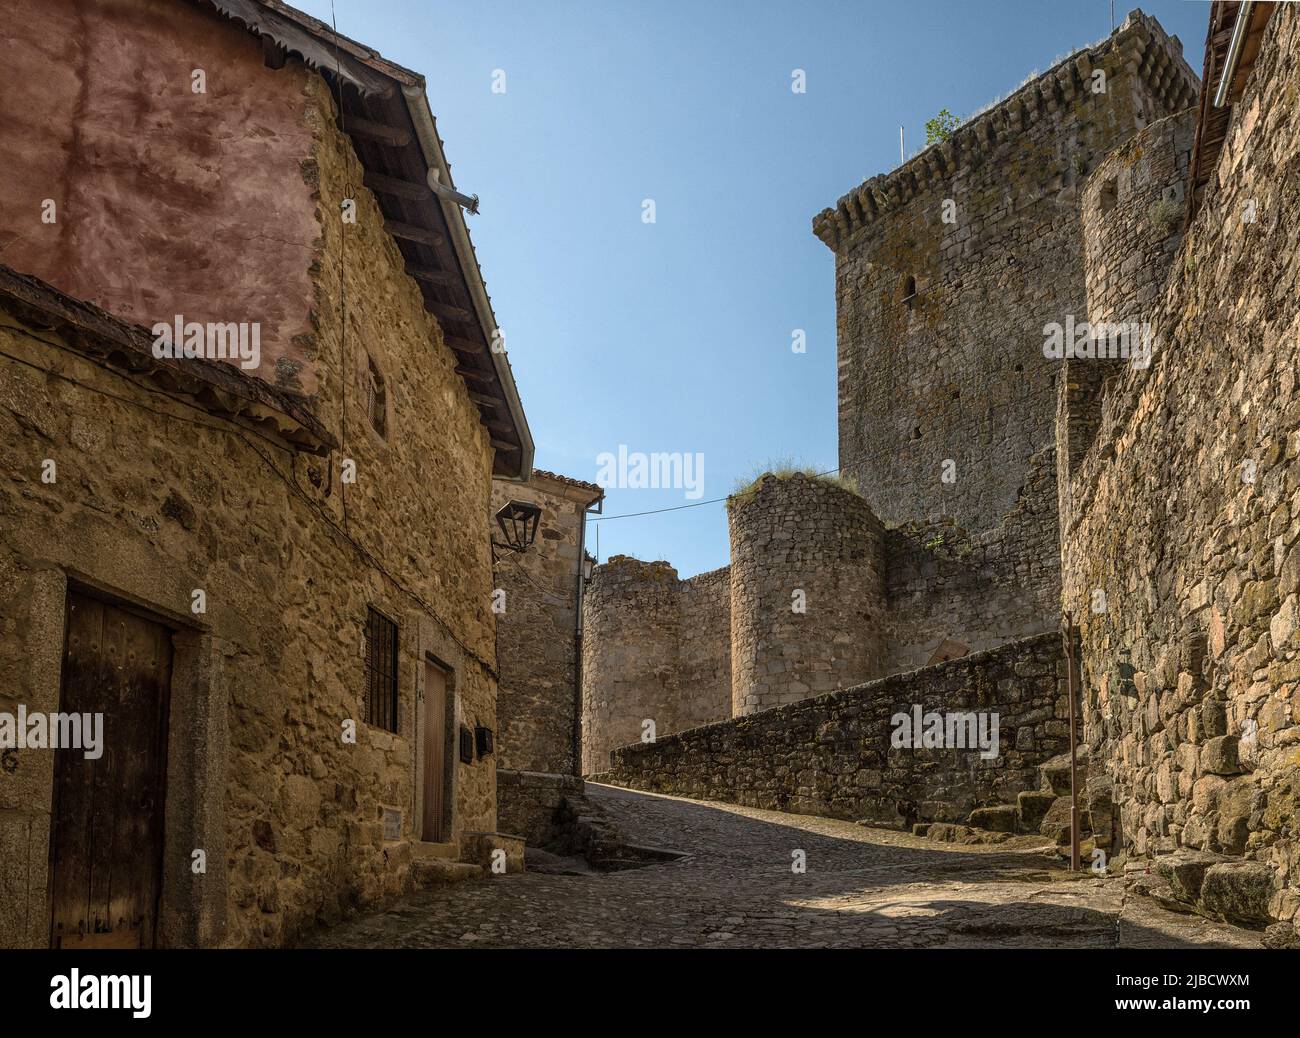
point(736, 888)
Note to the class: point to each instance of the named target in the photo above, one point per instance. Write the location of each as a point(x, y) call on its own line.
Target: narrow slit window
point(909, 291)
point(376, 398)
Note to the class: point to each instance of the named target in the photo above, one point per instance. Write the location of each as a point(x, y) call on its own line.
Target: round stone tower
point(629, 650)
point(807, 591)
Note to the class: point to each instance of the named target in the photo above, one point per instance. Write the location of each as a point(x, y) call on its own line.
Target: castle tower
point(948, 270)
point(655, 649)
point(807, 592)
point(1132, 212)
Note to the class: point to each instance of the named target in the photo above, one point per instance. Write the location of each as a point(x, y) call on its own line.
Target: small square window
point(1109, 196)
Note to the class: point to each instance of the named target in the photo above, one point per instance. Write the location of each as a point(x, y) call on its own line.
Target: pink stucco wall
point(168, 201)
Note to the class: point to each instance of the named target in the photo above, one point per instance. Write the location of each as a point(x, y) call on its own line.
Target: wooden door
point(435, 753)
point(107, 834)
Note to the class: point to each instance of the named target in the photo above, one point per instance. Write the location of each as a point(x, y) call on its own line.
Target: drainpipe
point(594, 508)
point(1074, 743)
point(1234, 53)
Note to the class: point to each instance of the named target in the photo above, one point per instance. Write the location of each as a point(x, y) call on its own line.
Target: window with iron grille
point(381, 671)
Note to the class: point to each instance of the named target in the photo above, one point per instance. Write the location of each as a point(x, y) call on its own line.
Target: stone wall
point(532, 804)
point(537, 631)
point(158, 494)
point(947, 271)
point(654, 648)
point(807, 591)
point(1182, 544)
point(832, 755)
point(703, 641)
point(949, 591)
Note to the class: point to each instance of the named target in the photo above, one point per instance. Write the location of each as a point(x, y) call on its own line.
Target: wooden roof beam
point(450, 312)
point(469, 346)
point(409, 232)
point(392, 136)
point(387, 185)
point(433, 277)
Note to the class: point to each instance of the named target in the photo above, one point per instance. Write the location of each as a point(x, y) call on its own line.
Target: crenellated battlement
point(1139, 45)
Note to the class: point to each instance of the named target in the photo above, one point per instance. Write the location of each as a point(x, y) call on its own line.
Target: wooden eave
point(375, 115)
point(1212, 123)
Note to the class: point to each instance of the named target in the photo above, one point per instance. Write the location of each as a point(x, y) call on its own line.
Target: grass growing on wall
point(784, 468)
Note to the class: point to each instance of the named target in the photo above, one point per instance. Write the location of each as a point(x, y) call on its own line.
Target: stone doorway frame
point(449, 710)
point(435, 646)
point(191, 906)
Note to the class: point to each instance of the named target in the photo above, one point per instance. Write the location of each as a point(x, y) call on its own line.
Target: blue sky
point(676, 335)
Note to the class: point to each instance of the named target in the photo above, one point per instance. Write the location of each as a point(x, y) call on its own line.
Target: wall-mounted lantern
point(466, 745)
point(588, 566)
point(518, 521)
point(483, 740)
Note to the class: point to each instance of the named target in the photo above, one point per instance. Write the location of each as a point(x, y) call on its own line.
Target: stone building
point(267, 571)
point(947, 270)
point(539, 652)
point(1180, 487)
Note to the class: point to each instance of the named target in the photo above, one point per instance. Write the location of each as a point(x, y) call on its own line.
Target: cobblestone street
point(736, 888)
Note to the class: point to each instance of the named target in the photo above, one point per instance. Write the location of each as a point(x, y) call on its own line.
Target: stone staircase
point(436, 864)
point(1042, 812)
point(592, 835)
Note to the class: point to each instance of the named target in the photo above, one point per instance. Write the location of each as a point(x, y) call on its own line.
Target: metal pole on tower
point(902, 155)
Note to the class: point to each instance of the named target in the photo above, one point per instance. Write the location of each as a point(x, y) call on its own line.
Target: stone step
point(1055, 773)
point(1056, 823)
point(499, 852)
point(420, 849)
point(434, 872)
point(1226, 890)
point(1032, 806)
point(1004, 818)
point(1184, 871)
point(951, 832)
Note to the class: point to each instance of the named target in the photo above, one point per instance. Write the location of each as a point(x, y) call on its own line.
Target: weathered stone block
point(1000, 819)
point(1056, 823)
point(1235, 803)
point(1219, 756)
point(1238, 892)
point(1184, 871)
point(1056, 773)
point(1033, 806)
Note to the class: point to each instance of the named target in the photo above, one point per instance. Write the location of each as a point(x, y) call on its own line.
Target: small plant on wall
point(941, 127)
point(1165, 215)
